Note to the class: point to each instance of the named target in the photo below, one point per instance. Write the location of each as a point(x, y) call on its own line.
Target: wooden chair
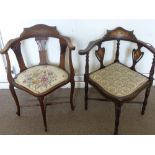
point(117, 82)
point(44, 78)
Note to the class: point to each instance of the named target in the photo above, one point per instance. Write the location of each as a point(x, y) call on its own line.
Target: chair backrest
point(41, 33)
point(119, 34)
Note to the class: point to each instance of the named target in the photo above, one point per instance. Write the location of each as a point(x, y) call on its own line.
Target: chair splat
point(136, 56)
point(100, 55)
point(41, 42)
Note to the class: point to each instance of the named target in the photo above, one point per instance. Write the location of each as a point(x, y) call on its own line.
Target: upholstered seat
point(40, 79)
point(118, 80)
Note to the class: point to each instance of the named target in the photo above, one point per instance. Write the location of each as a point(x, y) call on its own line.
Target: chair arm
point(90, 46)
point(8, 45)
point(147, 45)
point(69, 43)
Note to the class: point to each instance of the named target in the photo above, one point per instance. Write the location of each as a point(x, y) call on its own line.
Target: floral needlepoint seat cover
point(118, 80)
point(40, 79)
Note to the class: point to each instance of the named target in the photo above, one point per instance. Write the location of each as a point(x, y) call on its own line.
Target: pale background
point(81, 32)
point(78, 9)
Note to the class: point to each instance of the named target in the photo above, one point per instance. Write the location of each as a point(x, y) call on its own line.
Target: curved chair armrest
point(8, 45)
point(69, 43)
point(89, 47)
point(147, 45)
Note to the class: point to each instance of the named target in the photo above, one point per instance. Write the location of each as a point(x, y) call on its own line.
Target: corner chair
point(117, 82)
point(44, 78)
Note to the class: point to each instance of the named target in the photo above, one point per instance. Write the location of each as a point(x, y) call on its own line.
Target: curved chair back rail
point(119, 34)
point(116, 90)
point(41, 33)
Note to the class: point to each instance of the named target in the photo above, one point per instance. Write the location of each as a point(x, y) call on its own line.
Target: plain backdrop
point(81, 33)
point(12, 12)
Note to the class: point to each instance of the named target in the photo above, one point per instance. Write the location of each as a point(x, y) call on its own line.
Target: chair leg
point(145, 100)
point(86, 95)
point(43, 110)
point(12, 90)
point(117, 116)
point(72, 94)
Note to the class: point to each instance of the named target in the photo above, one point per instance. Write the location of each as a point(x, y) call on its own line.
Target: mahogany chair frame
point(118, 34)
point(41, 33)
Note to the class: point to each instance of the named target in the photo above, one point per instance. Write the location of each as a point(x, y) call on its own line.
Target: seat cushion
point(118, 80)
point(41, 78)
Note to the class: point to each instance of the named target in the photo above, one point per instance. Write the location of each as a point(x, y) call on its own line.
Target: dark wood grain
point(117, 52)
point(86, 77)
point(118, 34)
point(147, 93)
point(100, 55)
point(41, 33)
point(41, 42)
point(62, 54)
point(17, 50)
point(136, 56)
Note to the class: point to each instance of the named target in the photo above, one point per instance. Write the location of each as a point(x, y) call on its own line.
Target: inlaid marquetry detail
point(39, 30)
point(136, 56)
point(100, 55)
point(120, 33)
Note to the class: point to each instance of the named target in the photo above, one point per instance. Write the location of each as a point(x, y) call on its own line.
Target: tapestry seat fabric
point(40, 79)
point(118, 80)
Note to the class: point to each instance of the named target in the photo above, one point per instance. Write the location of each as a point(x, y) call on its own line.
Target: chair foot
point(143, 108)
point(18, 113)
point(72, 108)
point(116, 132)
point(86, 105)
point(143, 111)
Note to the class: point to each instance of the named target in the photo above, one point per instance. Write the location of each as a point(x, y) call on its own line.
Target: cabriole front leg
point(43, 110)
point(12, 90)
